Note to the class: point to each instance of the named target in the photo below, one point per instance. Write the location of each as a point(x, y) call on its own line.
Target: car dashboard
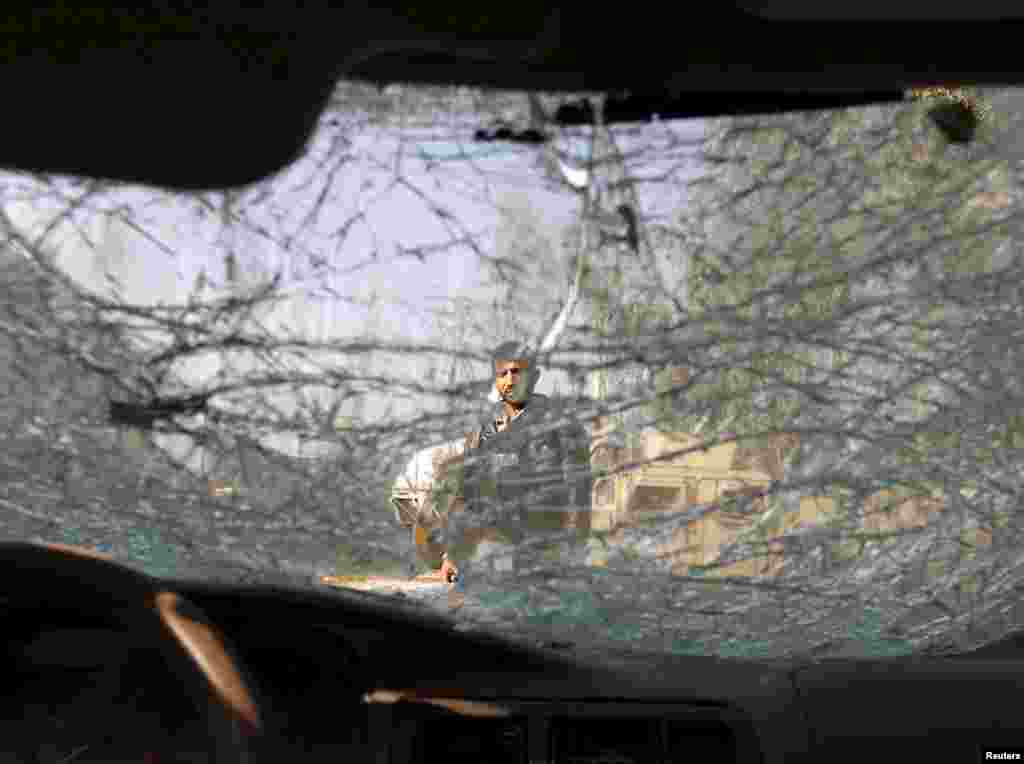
point(93, 695)
point(97, 694)
point(103, 664)
point(575, 732)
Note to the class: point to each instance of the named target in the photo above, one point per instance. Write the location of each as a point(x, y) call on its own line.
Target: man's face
point(511, 379)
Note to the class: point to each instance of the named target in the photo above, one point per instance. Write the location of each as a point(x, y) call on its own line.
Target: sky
point(158, 258)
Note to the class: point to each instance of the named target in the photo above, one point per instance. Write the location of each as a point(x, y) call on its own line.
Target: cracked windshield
point(744, 387)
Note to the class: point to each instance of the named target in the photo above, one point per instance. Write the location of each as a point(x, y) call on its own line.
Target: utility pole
point(610, 259)
point(611, 237)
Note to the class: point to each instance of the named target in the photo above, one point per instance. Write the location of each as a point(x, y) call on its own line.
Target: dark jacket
point(531, 477)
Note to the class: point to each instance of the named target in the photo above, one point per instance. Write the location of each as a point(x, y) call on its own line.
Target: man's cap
point(512, 350)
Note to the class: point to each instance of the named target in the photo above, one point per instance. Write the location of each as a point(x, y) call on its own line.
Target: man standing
point(526, 471)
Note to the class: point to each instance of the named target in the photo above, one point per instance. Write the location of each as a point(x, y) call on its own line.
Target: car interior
point(159, 670)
